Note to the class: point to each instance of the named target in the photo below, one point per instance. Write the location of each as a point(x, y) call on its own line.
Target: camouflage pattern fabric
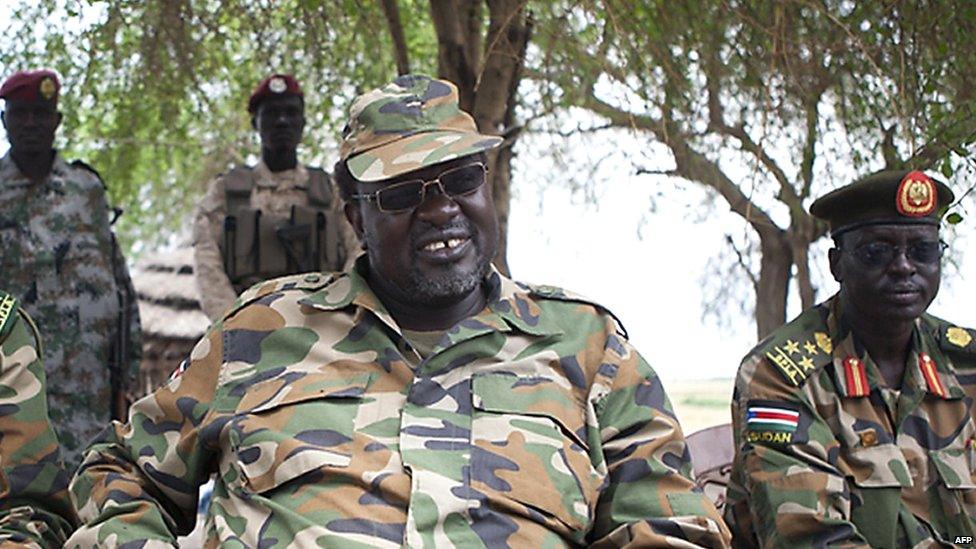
point(406, 125)
point(533, 424)
point(829, 455)
point(56, 256)
point(34, 506)
point(274, 193)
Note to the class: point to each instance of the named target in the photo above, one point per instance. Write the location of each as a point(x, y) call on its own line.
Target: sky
point(606, 242)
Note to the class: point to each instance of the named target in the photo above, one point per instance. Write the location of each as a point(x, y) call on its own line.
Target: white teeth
point(441, 244)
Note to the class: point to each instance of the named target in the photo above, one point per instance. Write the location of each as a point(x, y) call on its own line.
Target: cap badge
point(916, 195)
point(278, 85)
point(47, 88)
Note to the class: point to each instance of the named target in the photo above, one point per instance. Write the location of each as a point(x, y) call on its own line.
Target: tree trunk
point(488, 83)
point(774, 281)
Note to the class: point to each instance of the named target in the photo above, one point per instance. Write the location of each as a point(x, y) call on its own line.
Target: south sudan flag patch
point(771, 422)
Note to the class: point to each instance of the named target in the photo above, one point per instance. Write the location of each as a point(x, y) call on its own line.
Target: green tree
point(765, 103)
point(768, 104)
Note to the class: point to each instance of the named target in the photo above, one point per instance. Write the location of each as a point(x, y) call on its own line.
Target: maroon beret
point(39, 85)
point(276, 84)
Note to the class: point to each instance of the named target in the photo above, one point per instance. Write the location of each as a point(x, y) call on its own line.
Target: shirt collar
point(856, 374)
point(510, 305)
point(295, 177)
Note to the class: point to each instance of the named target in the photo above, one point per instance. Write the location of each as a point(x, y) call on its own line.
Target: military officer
point(419, 398)
point(854, 422)
point(279, 217)
point(34, 506)
point(59, 257)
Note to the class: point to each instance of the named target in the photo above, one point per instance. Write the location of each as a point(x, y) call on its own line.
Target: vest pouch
point(324, 254)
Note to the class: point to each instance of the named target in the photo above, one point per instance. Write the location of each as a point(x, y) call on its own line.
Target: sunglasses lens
point(400, 197)
point(875, 254)
point(463, 180)
point(925, 252)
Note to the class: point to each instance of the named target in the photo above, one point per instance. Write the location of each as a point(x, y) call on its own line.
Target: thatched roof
point(169, 305)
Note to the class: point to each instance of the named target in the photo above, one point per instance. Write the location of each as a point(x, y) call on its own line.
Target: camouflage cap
point(897, 197)
point(408, 124)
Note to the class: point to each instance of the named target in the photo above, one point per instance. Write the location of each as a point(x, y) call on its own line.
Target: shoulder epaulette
point(84, 166)
point(956, 339)
point(308, 282)
point(552, 292)
point(800, 348)
point(8, 314)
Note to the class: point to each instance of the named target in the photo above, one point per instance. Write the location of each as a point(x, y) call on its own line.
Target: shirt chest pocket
point(295, 431)
point(879, 466)
point(528, 446)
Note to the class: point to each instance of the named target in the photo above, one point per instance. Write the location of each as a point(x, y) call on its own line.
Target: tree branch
point(391, 10)
point(690, 164)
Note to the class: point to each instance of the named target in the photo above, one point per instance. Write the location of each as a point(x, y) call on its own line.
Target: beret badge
point(47, 88)
point(916, 195)
point(278, 85)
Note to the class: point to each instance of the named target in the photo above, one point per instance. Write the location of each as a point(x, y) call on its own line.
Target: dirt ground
point(700, 403)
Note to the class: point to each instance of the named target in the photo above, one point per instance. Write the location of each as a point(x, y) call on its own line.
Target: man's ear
point(355, 218)
point(60, 118)
point(836, 269)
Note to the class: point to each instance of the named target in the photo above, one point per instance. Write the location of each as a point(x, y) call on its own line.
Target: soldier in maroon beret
point(59, 257)
point(277, 218)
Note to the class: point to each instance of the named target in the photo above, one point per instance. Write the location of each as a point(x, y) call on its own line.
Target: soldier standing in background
point(34, 505)
point(59, 257)
point(854, 422)
point(417, 399)
point(274, 219)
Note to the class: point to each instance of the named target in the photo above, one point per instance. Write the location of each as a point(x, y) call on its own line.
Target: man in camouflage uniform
point(419, 398)
point(59, 257)
point(34, 506)
point(854, 422)
point(274, 219)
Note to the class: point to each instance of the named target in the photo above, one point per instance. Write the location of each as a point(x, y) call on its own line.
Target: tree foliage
point(766, 104)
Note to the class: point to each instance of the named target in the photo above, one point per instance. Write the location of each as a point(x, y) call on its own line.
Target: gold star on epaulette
point(810, 348)
point(792, 347)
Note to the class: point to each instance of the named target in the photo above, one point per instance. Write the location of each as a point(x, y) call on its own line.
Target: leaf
point(954, 218)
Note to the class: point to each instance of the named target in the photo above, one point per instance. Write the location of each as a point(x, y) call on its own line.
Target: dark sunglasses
point(407, 195)
point(876, 255)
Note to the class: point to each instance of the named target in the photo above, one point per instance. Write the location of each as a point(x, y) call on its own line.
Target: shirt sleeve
point(786, 490)
point(34, 505)
point(650, 499)
point(140, 481)
point(216, 291)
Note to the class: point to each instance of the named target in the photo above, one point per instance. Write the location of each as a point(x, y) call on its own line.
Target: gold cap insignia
point(47, 88)
point(278, 85)
point(916, 195)
point(823, 341)
point(958, 336)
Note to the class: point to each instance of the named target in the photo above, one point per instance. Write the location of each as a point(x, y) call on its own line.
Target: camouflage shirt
point(829, 455)
point(34, 506)
point(58, 257)
point(532, 424)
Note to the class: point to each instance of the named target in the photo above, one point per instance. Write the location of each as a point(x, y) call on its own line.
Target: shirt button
point(312, 278)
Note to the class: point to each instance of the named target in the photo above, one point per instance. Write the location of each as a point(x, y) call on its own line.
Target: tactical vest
point(256, 246)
